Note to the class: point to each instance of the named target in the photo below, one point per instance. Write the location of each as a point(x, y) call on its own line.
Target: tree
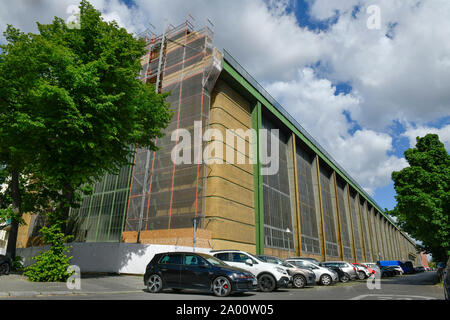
point(423, 195)
point(72, 106)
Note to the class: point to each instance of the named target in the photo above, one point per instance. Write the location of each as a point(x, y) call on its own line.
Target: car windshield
point(287, 264)
point(214, 261)
point(255, 257)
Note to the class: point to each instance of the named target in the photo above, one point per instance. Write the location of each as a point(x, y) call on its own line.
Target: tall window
point(278, 230)
point(345, 225)
point(365, 224)
point(328, 214)
point(356, 227)
point(308, 213)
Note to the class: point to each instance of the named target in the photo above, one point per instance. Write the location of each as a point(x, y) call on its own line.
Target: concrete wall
point(128, 258)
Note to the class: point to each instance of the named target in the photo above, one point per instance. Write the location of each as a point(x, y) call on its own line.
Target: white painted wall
point(130, 258)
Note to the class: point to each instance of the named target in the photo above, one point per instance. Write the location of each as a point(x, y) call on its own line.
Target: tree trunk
point(65, 207)
point(17, 204)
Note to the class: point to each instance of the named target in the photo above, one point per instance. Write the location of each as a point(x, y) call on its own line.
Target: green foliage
point(17, 264)
point(423, 195)
point(51, 265)
point(72, 109)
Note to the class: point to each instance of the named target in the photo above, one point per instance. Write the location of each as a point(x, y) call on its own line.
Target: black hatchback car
point(188, 270)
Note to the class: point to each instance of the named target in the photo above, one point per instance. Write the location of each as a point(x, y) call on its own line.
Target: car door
point(196, 273)
point(170, 267)
point(239, 260)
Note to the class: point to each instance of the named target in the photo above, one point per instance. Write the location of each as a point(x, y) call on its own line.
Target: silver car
point(300, 277)
point(345, 266)
point(324, 276)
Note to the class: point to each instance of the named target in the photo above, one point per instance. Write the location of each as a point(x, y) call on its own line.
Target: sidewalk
point(16, 285)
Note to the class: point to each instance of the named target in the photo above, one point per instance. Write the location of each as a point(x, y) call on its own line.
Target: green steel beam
point(257, 180)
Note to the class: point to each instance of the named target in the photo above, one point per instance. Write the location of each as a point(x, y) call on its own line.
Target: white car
point(270, 276)
point(324, 276)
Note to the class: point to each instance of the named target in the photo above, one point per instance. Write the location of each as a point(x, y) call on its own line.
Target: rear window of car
point(171, 259)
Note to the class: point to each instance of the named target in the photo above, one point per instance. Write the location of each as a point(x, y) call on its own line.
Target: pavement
point(16, 285)
point(422, 286)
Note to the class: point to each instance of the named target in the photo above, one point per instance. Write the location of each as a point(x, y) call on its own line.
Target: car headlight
point(281, 270)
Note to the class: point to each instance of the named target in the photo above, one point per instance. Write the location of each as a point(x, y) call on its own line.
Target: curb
point(13, 294)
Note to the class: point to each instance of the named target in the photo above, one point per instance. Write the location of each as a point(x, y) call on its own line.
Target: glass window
point(308, 212)
point(223, 256)
point(240, 257)
point(193, 260)
point(171, 259)
point(278, 230)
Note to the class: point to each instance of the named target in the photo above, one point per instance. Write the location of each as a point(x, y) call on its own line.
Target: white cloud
point(313, 102)
point(401, 77)
point(412, 132)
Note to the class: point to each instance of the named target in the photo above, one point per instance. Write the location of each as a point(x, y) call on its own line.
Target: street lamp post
point(195, 222)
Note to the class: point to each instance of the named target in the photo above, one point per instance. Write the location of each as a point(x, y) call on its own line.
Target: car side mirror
point(249, 262)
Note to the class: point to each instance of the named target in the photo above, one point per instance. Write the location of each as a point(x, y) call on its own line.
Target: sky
point(363, 77)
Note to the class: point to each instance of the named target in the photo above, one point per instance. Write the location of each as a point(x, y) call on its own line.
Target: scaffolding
point(154, 193)
point(165, 195)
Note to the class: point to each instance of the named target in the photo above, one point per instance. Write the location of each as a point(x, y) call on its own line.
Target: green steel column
point(257, 179)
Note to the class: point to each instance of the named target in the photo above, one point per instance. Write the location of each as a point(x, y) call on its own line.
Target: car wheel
point(221, 286)
point(299, 281)
point(5, 268)
point(361, 275)
point(325, 280)
point(266, 283)
point(154, 283)
point(345, 278)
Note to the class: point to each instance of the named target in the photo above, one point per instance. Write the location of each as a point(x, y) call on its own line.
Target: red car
point(362, 268)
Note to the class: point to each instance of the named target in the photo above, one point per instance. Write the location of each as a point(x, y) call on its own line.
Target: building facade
point(308, 207)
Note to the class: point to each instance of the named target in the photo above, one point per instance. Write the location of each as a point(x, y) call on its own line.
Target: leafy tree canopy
point(423, 195)
point(71, 104)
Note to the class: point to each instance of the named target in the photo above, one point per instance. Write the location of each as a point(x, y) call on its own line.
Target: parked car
point(446, 282)
point(300, 277)
point(5, 264)
point(419, 269)
point(315, 261)
point(324, 276)
point(387, 271)
point(398, 270)
point(363, 271)
point(270, 277)
point(188, 270)
point(346, 267)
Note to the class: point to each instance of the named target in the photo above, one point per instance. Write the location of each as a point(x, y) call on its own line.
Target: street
point(421, 286)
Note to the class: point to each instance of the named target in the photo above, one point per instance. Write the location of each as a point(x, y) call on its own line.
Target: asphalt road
point(420, 286)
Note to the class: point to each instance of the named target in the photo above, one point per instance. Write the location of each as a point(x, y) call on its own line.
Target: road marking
point(392, 297)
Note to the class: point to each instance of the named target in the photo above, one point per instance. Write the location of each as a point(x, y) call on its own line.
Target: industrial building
point(310, 207)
